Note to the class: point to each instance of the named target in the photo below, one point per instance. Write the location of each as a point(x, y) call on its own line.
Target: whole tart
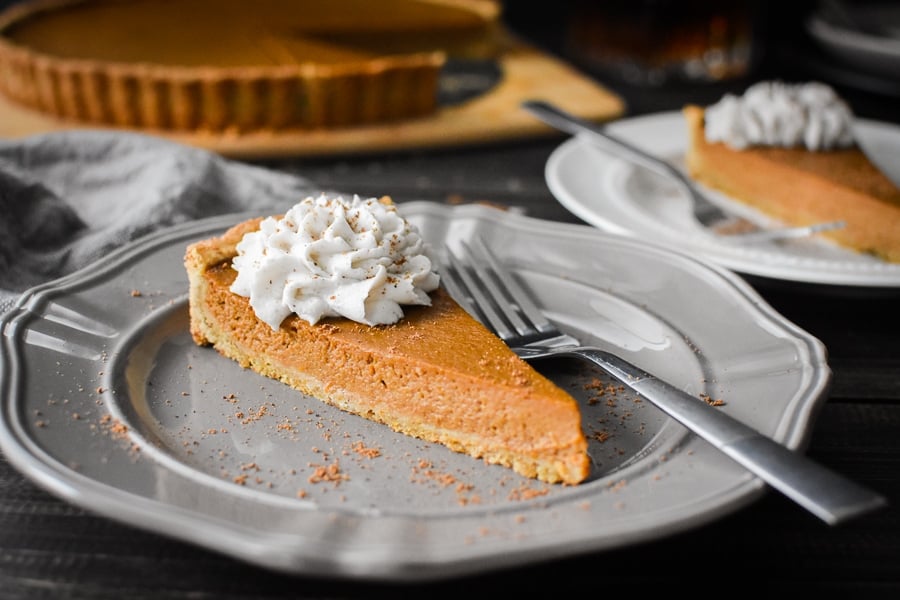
point(436, 374)
point(216, 65)
point(802, 187)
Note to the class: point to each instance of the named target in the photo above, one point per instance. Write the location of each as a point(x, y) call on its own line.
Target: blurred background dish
point(296, 79)
point(658, 42)
point(862, 36)
point(152, 64)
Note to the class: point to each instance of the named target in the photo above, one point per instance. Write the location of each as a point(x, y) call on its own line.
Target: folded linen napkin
point(68, 198)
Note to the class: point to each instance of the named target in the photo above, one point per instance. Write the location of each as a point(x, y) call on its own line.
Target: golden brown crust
point(285, 88)
point(799, 187)
point(437, 374)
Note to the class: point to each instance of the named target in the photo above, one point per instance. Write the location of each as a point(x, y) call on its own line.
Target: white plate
point(620, 197)
point(107, 403)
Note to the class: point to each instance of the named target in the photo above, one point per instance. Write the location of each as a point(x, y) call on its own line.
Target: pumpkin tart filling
point(436, 373)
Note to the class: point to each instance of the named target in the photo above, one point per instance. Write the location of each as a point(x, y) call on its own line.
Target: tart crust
point(245, 66)
point(799, 187)
point(437, 374)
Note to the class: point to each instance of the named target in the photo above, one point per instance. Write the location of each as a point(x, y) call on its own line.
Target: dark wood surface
point(49, 549)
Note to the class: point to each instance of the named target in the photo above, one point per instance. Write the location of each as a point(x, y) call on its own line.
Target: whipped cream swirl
point(772, 113)
point(328, 257)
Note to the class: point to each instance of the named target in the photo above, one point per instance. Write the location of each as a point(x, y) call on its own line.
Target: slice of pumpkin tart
point(776, 173)
point(434, 373)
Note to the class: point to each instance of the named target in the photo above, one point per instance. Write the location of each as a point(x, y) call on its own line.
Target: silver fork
point(707, 213)
point(477, 280)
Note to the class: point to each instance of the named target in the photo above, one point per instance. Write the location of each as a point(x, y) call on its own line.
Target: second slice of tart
point(801, 187)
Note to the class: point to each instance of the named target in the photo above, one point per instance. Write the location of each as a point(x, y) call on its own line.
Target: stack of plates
point(861, 39)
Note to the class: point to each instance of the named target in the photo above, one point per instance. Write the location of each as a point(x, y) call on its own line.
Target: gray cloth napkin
point(68, 198)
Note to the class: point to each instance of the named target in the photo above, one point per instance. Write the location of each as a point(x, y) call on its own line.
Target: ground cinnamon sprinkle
point(445, 479)
point(602, 389)
point(115, 427)
point(261, 412)
point(708, 399)
point(600, 436)
point(363, 450)
point(526, 492)
point(325, 473)
point(595, 384)
point(425, 472)
point(463, 497)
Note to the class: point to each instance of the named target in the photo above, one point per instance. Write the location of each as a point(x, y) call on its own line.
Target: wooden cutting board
point(526, 73)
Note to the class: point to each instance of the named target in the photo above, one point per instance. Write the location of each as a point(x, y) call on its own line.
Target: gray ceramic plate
point(107, 403)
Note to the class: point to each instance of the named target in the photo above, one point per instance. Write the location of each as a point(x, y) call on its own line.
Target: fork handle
point(826, 494)
point(575, 125)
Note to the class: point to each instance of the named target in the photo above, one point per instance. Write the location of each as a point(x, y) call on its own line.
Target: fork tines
point(475, 277)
